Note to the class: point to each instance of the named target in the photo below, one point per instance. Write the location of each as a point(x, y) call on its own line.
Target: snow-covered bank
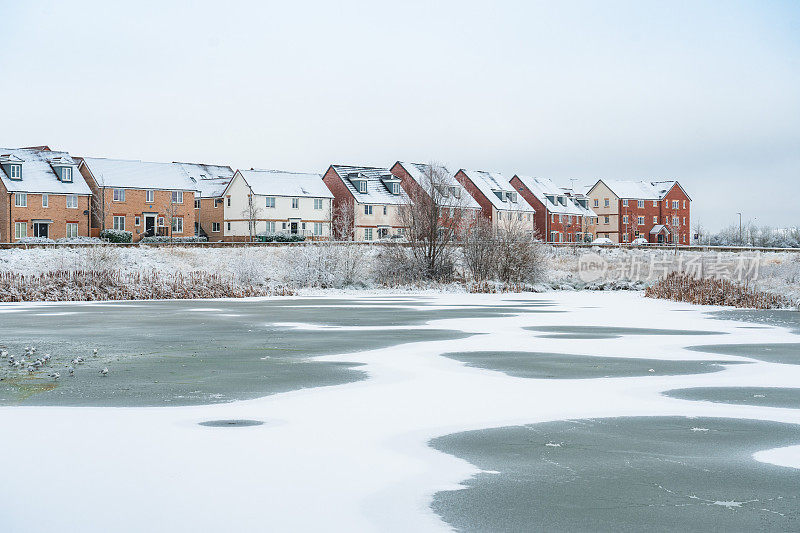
point(355, 456)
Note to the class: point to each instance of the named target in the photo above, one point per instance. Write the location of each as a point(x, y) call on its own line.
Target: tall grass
point(682, 287)
point(92, 285)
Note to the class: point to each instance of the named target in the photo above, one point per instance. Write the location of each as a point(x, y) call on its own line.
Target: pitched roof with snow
point(493, 185)
point(419, 173)
point(284, 183)
point(639, 190)
point(38, 172)
point(135, 174)
point(544, 189)
point(377, 191)
point(211, 179)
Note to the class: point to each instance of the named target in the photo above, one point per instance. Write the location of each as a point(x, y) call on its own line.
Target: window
point(177, 225)
point(362, 186)
point(217, 201)
point(606, 220)
point(684, 204)
point(270, 202)
point(295, 203)
point(674, 221)
point(395, 188)
point(655, 203)
point(20, 199)
point(553, 217)
point(624, 203)
point(606, 202)
point(72, 229)
point(228, 225)
point(655, 220)
point(317, 203)
point(303, 226)
point(16, 172)
point(624, 237)
point(596, 202)
point(385, 210)
point(675, 204)
point(45, 200)
point(66, 174)
point(119, 195)
point(137, 221)
point(228, 202)
point(149, 196)
point(368, 210)
point(640, 221)
point(177, 197)
point(368, 234)
point(119, 222)
point(684, 221)
point(161, 221)
point(72, 201)
point(640, 204)
point(20, 230)
point(317, 228)
point(270, 227)
point(215, 227)
point(197, 203)
point(624, 219)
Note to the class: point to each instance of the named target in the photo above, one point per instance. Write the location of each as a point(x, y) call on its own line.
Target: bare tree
point(171, 208)
point(433, 219)
point(478, 249)
point(100, 205)
point(343, 222)
point(252, 213)
point(520, 255)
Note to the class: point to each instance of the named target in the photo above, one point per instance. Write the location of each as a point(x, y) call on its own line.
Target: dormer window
point(66, 174)
point(16, 172)
point(395, 188)
point(512, 197)
point(455, 191)
point(500, 195)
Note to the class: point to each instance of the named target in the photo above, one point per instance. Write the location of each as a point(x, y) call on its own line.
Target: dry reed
point(681, 287)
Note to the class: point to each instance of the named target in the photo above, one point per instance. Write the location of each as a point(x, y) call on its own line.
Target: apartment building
point(561, 214)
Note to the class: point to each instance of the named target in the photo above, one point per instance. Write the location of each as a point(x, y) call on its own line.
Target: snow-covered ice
point(355, 457)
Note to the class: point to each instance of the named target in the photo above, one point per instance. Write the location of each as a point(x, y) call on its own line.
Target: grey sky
point(708, 92)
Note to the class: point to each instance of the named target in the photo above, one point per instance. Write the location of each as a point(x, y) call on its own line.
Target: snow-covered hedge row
point(116, 235)
point(162, 238)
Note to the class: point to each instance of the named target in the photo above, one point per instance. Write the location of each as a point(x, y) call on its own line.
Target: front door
point(149, 225)
point(40, 229)
point(660, 238)
point(293, 228)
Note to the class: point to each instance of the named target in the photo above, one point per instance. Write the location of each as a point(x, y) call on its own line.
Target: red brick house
point(655, 211)
point(500, 203)
point(211, 181)
point(457, 207)
point(142, 197)
point(42, 194)
point(366, 202)
point(561, 214)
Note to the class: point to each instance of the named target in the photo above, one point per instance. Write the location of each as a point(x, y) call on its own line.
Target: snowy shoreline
point(374, 434)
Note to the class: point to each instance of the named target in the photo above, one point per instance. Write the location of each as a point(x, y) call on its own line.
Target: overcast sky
point(705, 92)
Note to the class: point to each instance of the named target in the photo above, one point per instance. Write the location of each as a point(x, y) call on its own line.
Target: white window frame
point(45, 200)
point(16, 172)
point(362, 186)
point(624, 219)
point(66, 174)
point(596, 202)
point(640, 204)
point(20, 230)
point(72, 229)
point(655, 203)
point(177, 225)
point(624, 203)
point(318, 228)
point(367, 209)
point(177, 197)
point(270, 202)
point(137, 221)
point(317, 203)
point(270, 227)
point(197, 203)
point(229, 226)
point(640, 221)
point(295, 203)
point(72, 201)
point(368, 234)
point(215, 227)
point(118, 195)
point(20, 199)
point(119, 222)
point(655, 220)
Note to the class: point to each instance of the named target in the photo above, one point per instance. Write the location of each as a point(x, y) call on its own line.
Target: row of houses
point(52, 194)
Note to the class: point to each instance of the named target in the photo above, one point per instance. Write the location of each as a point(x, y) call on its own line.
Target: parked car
point(638, 241)
point(602, 240)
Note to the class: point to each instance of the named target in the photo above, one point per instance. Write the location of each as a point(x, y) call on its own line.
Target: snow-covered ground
point(355, 457)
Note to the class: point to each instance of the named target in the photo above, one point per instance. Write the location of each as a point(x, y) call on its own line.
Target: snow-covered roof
point(135, 174)
point(211, 179)
point(284, 183)
point(377, 191)
point(493, 184)
point(544, 189)
point(639, 190)
point(419, 171)
point(38, 173)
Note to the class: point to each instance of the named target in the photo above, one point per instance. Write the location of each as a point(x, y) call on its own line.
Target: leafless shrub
point(682, 287)
point(395, 266)
point(478, 249)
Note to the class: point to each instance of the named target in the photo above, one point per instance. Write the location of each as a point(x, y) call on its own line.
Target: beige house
point(275, 202)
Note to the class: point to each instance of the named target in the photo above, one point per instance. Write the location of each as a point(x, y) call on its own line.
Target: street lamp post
point(740, 229)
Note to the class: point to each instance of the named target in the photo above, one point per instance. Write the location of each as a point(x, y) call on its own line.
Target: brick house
point(656, 211)
point(211, 181)
point(42, 194)
point(457, 206)
point(366, 202)
point(142, 197)
point(276, 202)
point(500, 204)
point(561, 214)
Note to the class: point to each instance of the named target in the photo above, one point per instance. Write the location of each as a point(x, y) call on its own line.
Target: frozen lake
point(576, 411)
